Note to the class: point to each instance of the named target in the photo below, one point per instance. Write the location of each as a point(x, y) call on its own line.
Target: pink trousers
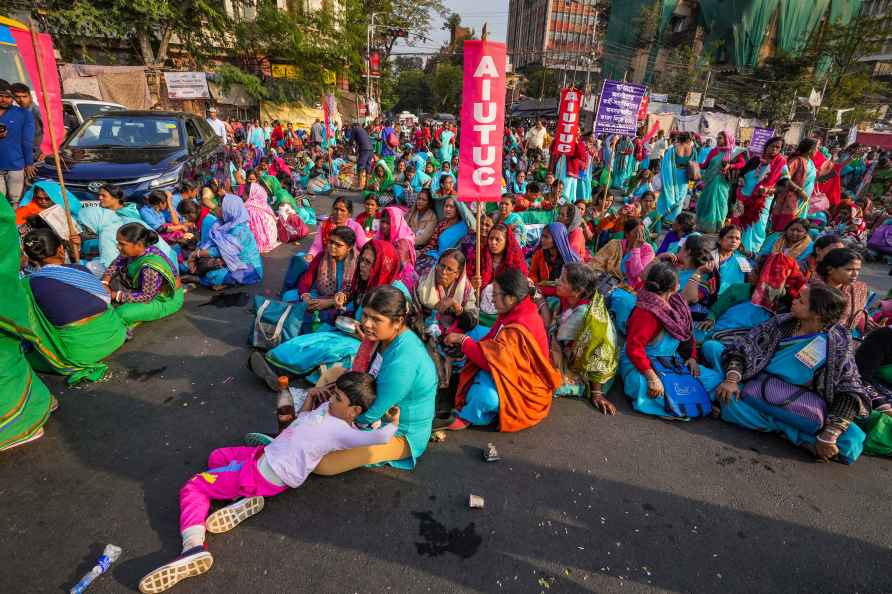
point(232, 474)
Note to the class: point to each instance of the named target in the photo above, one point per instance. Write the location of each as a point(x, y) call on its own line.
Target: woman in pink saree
point(261, 218)
point(394, 228)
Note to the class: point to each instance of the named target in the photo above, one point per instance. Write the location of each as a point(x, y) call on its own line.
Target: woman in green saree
point(142, 279)
point(25, 401)
point(74, 325)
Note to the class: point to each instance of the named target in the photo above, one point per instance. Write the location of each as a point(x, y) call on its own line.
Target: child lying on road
point(263, 471)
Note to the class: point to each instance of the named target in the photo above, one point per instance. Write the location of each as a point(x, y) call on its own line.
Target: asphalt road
point(581, 503)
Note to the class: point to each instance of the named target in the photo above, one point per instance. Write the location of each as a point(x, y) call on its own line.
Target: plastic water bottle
point(317, 321)
point(109, 556)
point(284, 400)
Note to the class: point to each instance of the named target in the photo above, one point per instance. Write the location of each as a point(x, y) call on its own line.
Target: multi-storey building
point(557, 34)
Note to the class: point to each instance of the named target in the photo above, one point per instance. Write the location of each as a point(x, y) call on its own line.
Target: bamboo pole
point(480, 208)
point(75, 246)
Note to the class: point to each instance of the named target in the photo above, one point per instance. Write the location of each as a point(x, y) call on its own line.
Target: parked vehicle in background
point(138, 151)
point(77, 109)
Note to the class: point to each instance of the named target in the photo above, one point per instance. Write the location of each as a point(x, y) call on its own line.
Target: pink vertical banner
point(51, 74)
point(482, 122)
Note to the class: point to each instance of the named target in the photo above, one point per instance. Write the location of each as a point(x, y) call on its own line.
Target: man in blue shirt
point(364, 150)
point(16, 146)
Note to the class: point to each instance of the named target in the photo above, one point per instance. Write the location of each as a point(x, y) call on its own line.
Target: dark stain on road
point(438, 539)
point(727, 460)
point(142, 376)
point(221, 300)
point(647, 507)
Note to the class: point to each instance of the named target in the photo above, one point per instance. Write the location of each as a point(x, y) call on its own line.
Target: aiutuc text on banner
point(482, 122)
point(568, 120)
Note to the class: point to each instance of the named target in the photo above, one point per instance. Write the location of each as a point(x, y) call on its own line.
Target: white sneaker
point(227, 518)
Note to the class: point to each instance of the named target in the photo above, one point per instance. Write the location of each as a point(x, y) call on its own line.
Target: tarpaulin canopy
point(875, 139)
point(532, 108)
point(126, 85)
point(298, 114)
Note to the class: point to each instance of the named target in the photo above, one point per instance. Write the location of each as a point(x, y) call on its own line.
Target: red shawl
point(386, 268)
point(513, 258)
point(832, 188)
point(753, 204)
point(779, 275)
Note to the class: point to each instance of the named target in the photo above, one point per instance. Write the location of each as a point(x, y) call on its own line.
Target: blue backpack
point(684, 395)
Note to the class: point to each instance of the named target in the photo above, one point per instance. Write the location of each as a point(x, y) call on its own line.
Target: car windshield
point(88, 110)
point(108, 131)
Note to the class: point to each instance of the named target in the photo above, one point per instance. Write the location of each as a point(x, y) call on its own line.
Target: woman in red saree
point(755, 195)
point(509, 377)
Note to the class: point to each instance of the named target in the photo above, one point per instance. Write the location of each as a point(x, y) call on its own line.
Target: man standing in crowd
point(535, 140)
point(364, 150)
point(318, 131)
point(16, 146)
point(218, 125)
point(657, 148)
point(23, 97)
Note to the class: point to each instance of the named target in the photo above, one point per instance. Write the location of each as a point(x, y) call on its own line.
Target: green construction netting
point(622, 36)
point(798, 20)
point(738, 25)
point(843, 11)
point(622, 33)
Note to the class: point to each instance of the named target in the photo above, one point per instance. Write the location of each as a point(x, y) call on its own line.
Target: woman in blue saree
point(793, 241)
point(674, 174)
point(804, 350)
point(733, 267)
point(448, 233)
point(446, 144)
point(228, 254)
point(624, 163)
point(660, 325)
point(716, 163)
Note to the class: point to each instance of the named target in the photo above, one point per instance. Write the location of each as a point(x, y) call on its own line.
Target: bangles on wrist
point(733, 376)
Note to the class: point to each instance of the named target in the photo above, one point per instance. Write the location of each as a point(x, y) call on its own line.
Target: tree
point(768, 91)
point(542, 82)
point(837, 51)
point(148, 25)
point(447, 88)
point(414, 91)
point(314, 41)
point(415, 16)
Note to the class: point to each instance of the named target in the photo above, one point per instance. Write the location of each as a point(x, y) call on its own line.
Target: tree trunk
point(144, 41)
point(163, 47)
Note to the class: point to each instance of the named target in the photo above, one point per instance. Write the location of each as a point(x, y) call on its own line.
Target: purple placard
point(760, 138)
point(618, 108)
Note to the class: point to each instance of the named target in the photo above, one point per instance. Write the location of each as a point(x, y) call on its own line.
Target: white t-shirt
point(536, 137)
point(297, 451)
point(219, 128)
point(657, 149)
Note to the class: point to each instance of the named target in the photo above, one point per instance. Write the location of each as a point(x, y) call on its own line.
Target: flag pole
point(480, 207)
point(75, 246)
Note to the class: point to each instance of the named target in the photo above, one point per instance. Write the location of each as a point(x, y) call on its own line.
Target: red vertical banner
point(568, 120)
point(482, 122)
point(642, 111)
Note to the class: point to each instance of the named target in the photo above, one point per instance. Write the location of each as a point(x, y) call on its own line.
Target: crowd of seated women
point(762, 334)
